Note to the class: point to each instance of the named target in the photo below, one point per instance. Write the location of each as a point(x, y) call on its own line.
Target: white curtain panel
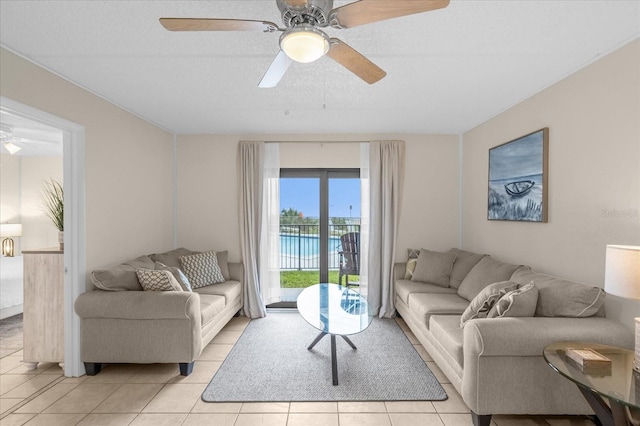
point(250, 165)
point(386, 175)
point(270, 242)
point(365, 185)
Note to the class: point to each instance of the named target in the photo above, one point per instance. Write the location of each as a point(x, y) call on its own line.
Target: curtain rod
point(316, 142)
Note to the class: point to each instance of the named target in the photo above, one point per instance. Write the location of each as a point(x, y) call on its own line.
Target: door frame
point(324, 174)
point(74, 223)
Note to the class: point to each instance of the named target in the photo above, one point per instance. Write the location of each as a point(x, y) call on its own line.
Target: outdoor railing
point(300, 245)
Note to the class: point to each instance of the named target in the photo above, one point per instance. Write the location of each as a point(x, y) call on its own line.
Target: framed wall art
point(518, 179)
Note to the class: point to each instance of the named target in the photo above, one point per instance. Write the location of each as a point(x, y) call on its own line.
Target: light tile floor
point(157, 395)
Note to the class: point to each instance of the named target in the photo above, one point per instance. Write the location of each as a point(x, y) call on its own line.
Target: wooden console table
point(43, 318)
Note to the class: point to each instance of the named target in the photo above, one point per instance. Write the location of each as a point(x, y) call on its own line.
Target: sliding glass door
point(317, 208)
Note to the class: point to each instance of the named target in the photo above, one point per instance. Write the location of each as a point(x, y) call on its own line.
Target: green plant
point(53, 202)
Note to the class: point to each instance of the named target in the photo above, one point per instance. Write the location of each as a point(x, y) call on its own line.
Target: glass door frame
point(323, 175)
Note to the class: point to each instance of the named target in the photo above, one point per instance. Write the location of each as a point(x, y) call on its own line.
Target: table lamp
point(622, 278)
point(8, 230)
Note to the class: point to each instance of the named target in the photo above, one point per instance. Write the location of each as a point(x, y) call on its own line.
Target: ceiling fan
point(13, 139)
point(302, 39)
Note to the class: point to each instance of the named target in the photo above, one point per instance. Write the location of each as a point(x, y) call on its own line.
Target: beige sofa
point(496, 364)
point(121, 323)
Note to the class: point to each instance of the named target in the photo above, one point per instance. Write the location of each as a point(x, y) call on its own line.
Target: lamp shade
point(622, 271)
point(10, 230)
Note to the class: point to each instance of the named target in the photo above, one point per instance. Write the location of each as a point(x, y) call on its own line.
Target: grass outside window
point(304, 279)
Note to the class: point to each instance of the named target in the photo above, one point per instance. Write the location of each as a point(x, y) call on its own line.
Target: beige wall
point(10, 192)
point(207, 211)
point(129, 164)
point(21, 200)
point(37, 229)
point(594, 175)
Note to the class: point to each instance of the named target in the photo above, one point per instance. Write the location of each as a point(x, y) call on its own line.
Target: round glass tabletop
point(334, 309)
point(616, 381)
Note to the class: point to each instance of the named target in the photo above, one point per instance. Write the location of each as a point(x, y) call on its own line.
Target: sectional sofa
point(485, 323)
point(120, 322)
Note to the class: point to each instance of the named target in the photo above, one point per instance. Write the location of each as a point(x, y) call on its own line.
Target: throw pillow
point(121, 277)
point(413, 253)
point(152, 280)
point(411, 267)
point(558, 297)
point(177, 274)
point(202, 269)
point(486, 271)
point(481, 305)
point(434, 267)
point(516, 303)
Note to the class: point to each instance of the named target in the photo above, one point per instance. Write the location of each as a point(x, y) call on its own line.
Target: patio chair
point(349, 258)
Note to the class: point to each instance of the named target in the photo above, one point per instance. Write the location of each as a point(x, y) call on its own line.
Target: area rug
point(270, 362)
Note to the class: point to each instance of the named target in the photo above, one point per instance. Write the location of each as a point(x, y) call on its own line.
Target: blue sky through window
point(303, 194)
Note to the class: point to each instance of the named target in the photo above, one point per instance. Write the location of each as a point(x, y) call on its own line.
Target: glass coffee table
point(616, 383)
point(336, 311)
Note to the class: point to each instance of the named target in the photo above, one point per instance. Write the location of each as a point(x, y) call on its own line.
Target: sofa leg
point(92, 368)
point(480, 419)
point(186, 368)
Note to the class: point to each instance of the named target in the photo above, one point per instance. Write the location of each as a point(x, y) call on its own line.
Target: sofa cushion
point(485, 272)
point(202, 269)
point(516, 303)
point(446, 330)
point(152, 280)
point(465, 261)
point(404, 288)
point(171, 258)
point(482, 304)
point(177, 274)
point(426, 304)
point(558, 297)
point(229, 289)
point(210, 306)
point(434, 267)
point(121, 277)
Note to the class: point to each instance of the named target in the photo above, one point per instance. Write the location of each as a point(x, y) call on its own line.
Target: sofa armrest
point(399, 271)
point(236, 272)
point(501, 354)
point(504, 336)
point(138, 305)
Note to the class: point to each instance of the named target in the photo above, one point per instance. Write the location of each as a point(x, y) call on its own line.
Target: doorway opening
point(73, 164)
point(318, 207)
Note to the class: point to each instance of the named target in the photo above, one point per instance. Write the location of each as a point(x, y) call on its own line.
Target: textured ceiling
point(447, 70)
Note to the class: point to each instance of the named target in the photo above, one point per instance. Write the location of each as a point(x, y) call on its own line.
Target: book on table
point(589, 362)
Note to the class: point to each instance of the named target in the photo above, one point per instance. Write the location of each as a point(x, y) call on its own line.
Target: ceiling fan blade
point(196, 24)
point(355, 62)
point(368, 11)
point(276, 71)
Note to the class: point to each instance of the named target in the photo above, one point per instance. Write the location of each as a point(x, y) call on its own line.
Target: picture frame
point(518, 183)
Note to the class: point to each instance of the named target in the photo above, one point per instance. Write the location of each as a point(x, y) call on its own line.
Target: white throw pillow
point(481, 305)
point(516, 303)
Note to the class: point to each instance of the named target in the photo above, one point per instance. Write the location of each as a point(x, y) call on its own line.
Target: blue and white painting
point(517, 179)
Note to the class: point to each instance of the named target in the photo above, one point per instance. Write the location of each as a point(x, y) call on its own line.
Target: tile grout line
point(33, 396)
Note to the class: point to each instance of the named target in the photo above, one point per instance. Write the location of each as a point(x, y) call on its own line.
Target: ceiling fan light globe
point(304, 43)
